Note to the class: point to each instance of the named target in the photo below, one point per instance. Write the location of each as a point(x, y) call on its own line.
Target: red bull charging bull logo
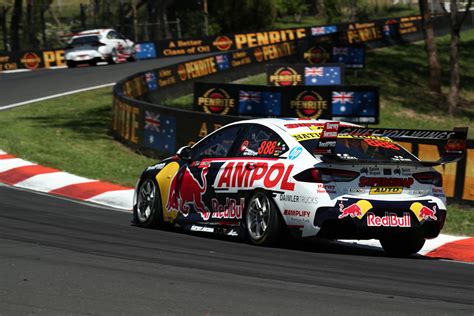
point(185, 190)
point(423, 212)
point(354, 210)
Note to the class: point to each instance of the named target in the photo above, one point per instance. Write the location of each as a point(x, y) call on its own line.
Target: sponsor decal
point(296, 213)
point(423, 212)
point(381, 143)
point(356, 190)
point(285, 76)
point(386, 190)
point(295, 152)
point(325, 188)
point(230, 210)
point(244, 174)
point(298, 199)
point(196, 228)
point(385, 182)
point(197, 68)
point(357, 209)
point(222, 43)
point(420, 192)
point(388, 220)
point(309, 104)
point(166, 77)
point(216, 101)
point(125, 120)
point(316, 55)
point(363, 32)
point(31, 60)
point(258, 53)
point(188, 191)
point(394, 133)
point(266, 38)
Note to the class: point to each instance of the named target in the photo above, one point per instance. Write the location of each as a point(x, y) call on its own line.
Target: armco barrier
point(142, 123)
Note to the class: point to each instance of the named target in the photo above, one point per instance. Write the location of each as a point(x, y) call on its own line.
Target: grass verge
point(71, 133)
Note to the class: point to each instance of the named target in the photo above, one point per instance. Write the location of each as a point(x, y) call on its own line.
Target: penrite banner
point(282, 75)
point(315, 52)
point(359, 104)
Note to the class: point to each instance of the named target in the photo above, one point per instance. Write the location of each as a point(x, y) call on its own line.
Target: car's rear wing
point(80, 34)
point(454, 150)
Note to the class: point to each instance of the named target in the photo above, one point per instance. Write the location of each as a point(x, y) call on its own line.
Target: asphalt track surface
point(24, 86)
point(63, 257)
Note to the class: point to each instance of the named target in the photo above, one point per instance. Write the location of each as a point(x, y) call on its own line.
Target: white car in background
point(93, 46)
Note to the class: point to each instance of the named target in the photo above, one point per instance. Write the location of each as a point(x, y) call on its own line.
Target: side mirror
point(184, 153)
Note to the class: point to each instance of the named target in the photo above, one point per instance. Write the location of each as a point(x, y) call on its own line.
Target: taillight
point(429, 177)
point(326, 175)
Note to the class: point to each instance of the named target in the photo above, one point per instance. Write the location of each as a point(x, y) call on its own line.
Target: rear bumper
point(367, 219)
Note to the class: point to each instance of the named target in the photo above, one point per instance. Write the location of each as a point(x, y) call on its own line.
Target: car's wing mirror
point(184, 153)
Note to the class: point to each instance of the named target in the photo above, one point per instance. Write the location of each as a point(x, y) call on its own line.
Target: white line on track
point(6, 107)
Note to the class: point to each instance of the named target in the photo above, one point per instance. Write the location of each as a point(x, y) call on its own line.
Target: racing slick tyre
point(402, 245)
point(132, 58)
point(113, 58)
point(263, 224)
point(148, 210)
point(71, 64)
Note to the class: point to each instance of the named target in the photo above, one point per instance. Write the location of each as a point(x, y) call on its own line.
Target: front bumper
point(366, 219)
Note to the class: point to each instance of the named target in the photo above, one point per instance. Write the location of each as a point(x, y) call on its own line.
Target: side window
point(216, 146)
point(260, 141)
point(112, 35)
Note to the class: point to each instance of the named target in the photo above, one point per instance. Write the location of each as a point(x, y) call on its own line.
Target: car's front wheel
point(148, 210)
point(262, 222)
point(402, 245)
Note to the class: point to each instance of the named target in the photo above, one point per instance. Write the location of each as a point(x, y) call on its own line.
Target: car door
point(194, 192)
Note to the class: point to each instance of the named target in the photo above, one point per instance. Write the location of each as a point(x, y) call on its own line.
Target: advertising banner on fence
point(313, 52)
point(282, 75)
point(346, 103)
point(32, 59)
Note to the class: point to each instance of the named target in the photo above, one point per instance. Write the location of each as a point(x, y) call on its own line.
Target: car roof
point(291, 125)
point(92, 32)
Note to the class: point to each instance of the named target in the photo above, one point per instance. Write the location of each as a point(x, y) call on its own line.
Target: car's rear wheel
point(263, 225)
point(148, 210)
point(113, 58)
point(132, 58)
point(402, 245)
point(71, 64)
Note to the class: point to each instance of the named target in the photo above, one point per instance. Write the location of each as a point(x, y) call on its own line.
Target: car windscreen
point(364, 148)
point(84, 40)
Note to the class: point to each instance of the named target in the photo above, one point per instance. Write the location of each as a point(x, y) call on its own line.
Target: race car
point(93, 46)
point(264, 179)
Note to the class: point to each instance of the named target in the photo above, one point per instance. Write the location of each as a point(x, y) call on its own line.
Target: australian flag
point(322, 76)
point(160, 132)
point(258, 103)
point(222, 62)
point(352, 57)
point(323, 30)
point(357, 103)
point(145, 50)
point(150, 79)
